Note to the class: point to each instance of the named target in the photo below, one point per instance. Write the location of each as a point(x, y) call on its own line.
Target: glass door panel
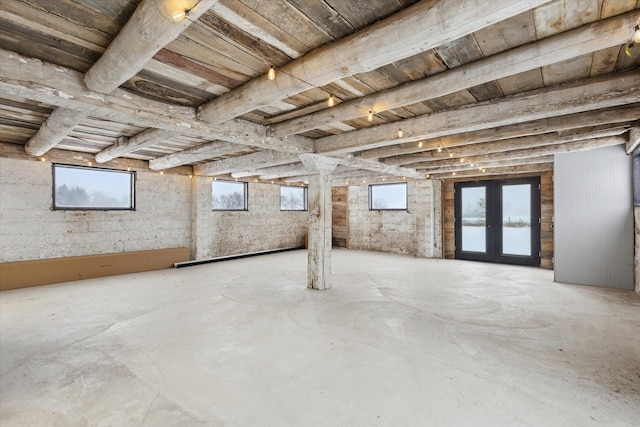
point(516, 219)
point(474, 219)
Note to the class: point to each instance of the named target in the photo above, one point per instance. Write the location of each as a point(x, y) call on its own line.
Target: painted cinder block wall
point(172, 210)
point(403, 232)
point(30, 229)
point(262, 227)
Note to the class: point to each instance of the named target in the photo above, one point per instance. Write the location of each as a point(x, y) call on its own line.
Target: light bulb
point(439, 149)
point(271, 74)
point(331, 101)
point(461, 159)
point(484, 170)
point(450, 155)
point(178, 15)
point(90, 164)
point(428, 176)
point(636, 34)
point(420, 144)
point(161, 172)
point(42, 159)
point(370, 117)
point(400, 133)
point(454, 174)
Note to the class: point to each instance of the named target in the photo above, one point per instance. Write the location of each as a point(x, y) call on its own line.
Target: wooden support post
point(319, 240)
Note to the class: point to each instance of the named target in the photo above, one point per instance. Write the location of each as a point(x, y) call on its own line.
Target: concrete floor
point(399, 341)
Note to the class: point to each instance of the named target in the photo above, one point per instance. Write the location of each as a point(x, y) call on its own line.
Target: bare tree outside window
point(77, 187)
point(229, 195)
point(293, 198)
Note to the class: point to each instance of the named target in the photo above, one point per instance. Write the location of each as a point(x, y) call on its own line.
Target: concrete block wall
point(404, 232)
point(31, 230)
point(262, 227)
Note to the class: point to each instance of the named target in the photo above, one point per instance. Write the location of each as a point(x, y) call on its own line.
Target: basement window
point(383, 197)
point(293, 198)
point(84, 188)
point(229, 196)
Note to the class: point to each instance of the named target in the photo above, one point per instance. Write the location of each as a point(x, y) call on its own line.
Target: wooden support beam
point(319, 197)
point(249, 162)
point(524, 142)
point(54, 130)
point(524, 156)
point(205, 151)
point(55, 85)
point(458, 167)
point(149, 29)
point(415, 29)
point(634, 140)
point(497, 171)
point(589, 38)
point(584, 95)
point(125, 145)
point(566, 123)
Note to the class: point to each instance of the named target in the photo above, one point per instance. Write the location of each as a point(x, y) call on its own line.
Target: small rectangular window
point(229, 196)
point(83, 188)
point(388, 197)
point(293, 198)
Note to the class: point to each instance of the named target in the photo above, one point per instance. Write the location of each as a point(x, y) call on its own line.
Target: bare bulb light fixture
point(370, 116)
point(400, 133)
point(271, 74)
point(331, 101)
point(439, 149)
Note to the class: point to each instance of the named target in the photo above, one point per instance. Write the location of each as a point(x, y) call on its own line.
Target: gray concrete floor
point(399, 341)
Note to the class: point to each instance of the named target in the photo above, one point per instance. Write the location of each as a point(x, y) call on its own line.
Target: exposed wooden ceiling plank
point(61, 87)
point(584, 40)
point(148, 30)
point(413, 30)
point(552, 124)
point(585, 95)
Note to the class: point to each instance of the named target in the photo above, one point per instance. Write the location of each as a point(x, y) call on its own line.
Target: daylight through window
point(77, 187)
point(293, 198)
point(388, 196)
point(229, 196)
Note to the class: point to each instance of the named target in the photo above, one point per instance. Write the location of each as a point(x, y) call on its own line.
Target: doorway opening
point(498, 221)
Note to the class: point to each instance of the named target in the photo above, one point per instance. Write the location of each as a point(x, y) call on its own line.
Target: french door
point(498, 221)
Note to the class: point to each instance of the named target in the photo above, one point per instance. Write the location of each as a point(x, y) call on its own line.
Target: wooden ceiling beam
point(202, 152)
point(249, 162)
point(126, 145)
point(61, 87)
point(584, 95)
point(60, 122)
point(523, 155)
point(565, 123)
point(505, 145)
point(415, 29)
point(589, 38)
point(149, 29)
point(634, 140)
point(497, 171)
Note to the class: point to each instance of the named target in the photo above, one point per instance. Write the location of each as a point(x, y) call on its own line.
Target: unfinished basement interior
point(319, 213)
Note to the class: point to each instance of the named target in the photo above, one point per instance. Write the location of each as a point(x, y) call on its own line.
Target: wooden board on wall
point(23, 274)
point(546, 230)
point(339, 217)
